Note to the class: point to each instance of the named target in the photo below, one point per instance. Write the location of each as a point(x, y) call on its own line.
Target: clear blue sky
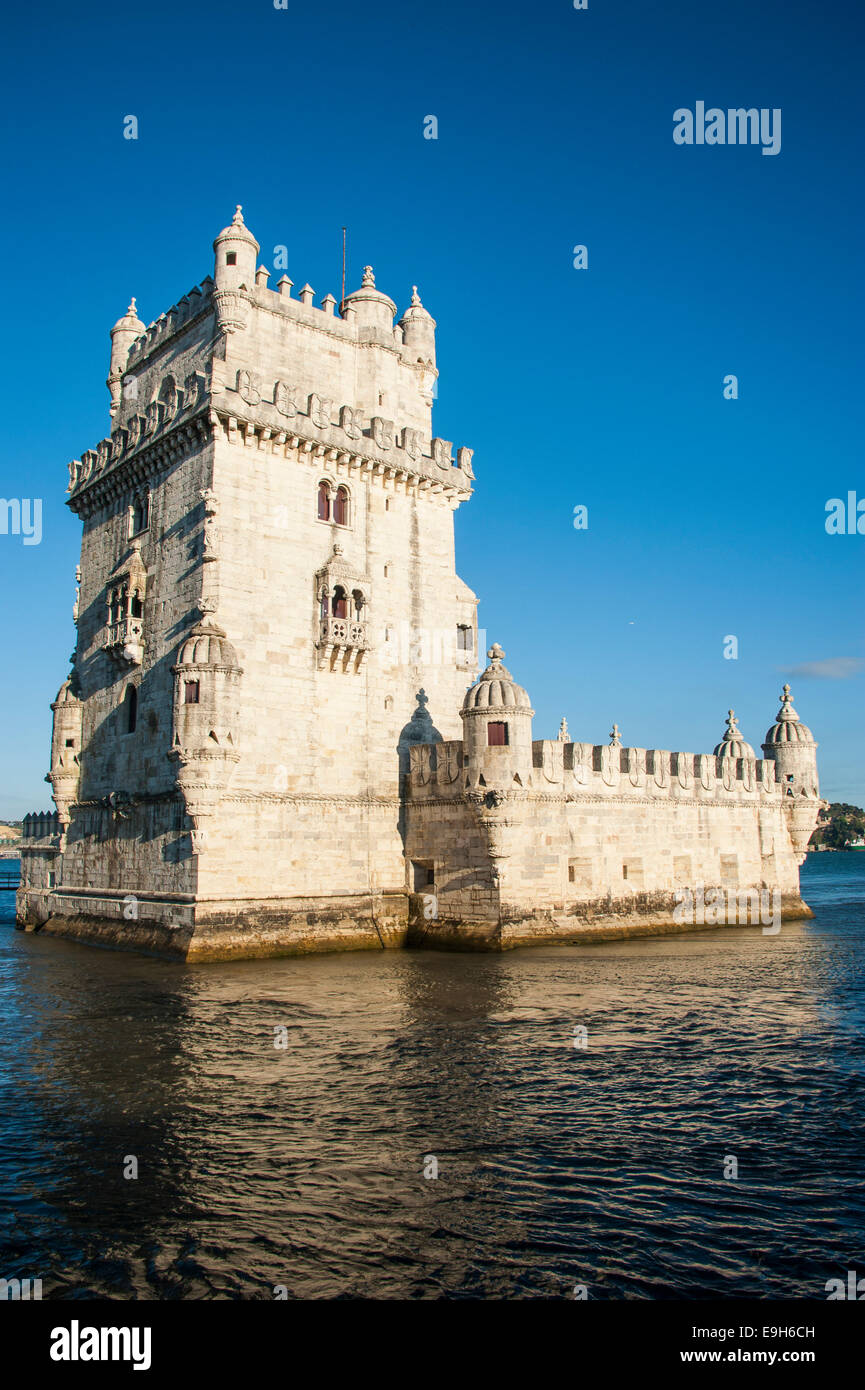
point(601, 387)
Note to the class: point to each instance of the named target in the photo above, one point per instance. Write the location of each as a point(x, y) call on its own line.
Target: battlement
point(277, 419)
point(198, 301)
point(577, 770)
point(40, 825)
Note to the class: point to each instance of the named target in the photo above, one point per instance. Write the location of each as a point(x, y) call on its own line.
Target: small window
point(340, 506)
point(424, 874)
point(572, 873)
point(139, 516)
point(231, 258)
point(387, 504)
point(130, 703)
point(339, 603)
point(497, 735)
point(324, 502)
point(70, 743)
point(191, 692)
point(135, 608)
point(387, 571)
point(464, 638)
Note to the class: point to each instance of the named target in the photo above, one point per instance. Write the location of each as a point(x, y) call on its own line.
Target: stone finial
point(787, 711)
point(328, 304)
point(284, 285)
point(307, 294)
point(237, 219)
point(415, 298)
point(495, 653)
point(563, 735)
point(615, 737)
point(132, 310)
point(368, 281)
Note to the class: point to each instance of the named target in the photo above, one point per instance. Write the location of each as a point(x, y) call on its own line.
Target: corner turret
point(65, 751)
point(791, 746)
point(235, 251)
point(497, 728)
point(123, 335)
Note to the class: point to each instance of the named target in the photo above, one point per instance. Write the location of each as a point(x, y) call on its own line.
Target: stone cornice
point(291, 422)
point(114, 468)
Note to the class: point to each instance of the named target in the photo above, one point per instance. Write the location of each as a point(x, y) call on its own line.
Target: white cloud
point(834, 668)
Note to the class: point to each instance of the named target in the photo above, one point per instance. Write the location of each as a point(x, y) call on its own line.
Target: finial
point(422, 698)
point(787, 711)
point(415, 297)
point(495, 653)
point(237, 219)
point(732, 730)
point(563, 735)
point(368, 282)
point(132, 309)
point(615, 737)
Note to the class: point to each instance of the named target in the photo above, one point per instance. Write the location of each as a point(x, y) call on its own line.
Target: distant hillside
point(839, 825)
point(9, 833)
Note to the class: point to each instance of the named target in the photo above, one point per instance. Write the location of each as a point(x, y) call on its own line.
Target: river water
point(557, 1165)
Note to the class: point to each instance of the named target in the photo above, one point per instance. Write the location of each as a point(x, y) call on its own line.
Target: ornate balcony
point(125, 640)
point(342, 640)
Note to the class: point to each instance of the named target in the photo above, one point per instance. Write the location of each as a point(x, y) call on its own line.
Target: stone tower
point(791, 746)
point(267, 582)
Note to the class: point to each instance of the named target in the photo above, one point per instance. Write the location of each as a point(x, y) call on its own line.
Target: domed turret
point(372, 308)
point(791, 746)
point(418, 332)
point(788, 727)
point(497, 726)
point(65, 750)
point(733, 745)
point(123, 335)
point(236, 251)
point(206, 716)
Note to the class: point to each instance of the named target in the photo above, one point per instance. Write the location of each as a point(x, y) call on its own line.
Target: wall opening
point(497, 734)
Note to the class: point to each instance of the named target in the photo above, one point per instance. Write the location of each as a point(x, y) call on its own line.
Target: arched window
point(340, 506)
point(323, 605)
point(130, 708)
point(339, 603)
point(324, 501)
point(135, 608)
point(139, 517)
point(358, 600)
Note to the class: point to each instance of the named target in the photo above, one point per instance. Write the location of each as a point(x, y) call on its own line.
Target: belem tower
point(248, 759)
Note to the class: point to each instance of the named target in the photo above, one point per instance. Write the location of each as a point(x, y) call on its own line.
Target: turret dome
point(733, 745)
point(496, 688)
point(237, 230)
point(370, 301)
point(788, 727)
point(207, 645)
point(130, 322)
point(416, 313)
point(66, 695)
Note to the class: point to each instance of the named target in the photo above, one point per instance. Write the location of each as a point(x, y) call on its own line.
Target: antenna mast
point(343, 271)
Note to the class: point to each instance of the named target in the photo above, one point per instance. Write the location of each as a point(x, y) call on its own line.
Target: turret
point(65, 751)
point(370, 308)
point(418, 333)
point(497, 728)
point(235, 251)
point(791, 746)
point(206, 712)
point(123, 335)
point(733, 744)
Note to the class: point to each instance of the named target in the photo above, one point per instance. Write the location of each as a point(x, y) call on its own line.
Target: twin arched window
point(333, 505)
